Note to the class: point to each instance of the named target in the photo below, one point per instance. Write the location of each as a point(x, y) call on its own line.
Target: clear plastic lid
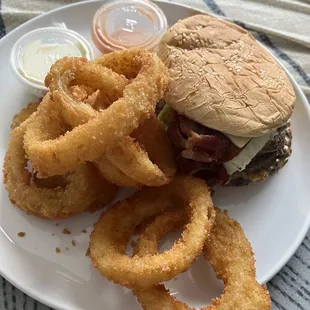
point(35, 52)
point(125, 24)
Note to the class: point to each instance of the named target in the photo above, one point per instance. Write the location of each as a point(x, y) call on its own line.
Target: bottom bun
point(268, 161)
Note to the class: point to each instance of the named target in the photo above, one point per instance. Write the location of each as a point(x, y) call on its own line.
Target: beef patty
point(201, 151)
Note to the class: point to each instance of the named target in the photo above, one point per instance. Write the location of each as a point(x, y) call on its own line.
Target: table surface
point(283, 26)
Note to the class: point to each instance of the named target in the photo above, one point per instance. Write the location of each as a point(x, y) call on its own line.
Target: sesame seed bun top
point(223, 79)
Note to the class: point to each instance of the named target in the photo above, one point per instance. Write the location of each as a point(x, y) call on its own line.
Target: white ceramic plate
point(275, 214)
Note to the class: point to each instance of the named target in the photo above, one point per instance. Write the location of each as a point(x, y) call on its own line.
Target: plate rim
point(56, 304)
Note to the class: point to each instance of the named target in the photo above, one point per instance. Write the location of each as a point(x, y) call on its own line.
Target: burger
point(228, 105)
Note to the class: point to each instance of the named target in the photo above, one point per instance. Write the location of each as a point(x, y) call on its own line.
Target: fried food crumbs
point(57, 224)
point(84, 231)
point(87, 252)
point(58, 250)
point(21, 234)
point(66, 231)
point(67, 249)
point(73, 243)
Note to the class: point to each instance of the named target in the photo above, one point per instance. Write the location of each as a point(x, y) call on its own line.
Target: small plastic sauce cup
point(124, 24)
point(34, 53)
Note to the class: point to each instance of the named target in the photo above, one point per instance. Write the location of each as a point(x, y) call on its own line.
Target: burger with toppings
point(229, 102)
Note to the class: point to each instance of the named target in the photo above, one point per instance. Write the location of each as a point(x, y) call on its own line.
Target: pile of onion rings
point(55, 197)
point(95, 130)
point(184, 203)
point(229, 253)
point(128, 85)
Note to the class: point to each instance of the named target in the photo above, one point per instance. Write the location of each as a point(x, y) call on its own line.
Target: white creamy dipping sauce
point(37, 58)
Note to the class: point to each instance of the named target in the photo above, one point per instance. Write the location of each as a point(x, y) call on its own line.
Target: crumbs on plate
point(66, 231)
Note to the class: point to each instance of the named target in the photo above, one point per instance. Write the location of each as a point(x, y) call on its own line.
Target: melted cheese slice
point(239, 162)
point(240, 142)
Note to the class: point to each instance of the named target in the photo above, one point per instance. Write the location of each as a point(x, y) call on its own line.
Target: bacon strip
point(201, 151)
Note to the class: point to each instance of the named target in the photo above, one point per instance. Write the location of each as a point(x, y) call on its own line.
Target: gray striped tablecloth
point(282, 25)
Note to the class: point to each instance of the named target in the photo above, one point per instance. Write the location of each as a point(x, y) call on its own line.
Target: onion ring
point(82, 190)
point(228, 251)
point(113, 230)
point(153, 167)
point(84, 73)
point(108, 127)
point(76, 112)
point(129, 165)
